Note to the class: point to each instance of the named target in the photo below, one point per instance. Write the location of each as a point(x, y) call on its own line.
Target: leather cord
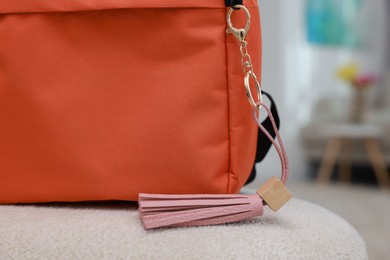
point(263, 142)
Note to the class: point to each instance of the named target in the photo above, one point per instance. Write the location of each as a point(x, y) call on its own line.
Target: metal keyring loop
point(240, 33)
point(250, 75)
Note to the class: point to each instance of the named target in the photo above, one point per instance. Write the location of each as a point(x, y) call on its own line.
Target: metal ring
point(250, 75)
point(242, 32)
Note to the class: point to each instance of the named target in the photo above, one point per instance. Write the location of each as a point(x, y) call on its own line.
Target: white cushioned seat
point(300, 230)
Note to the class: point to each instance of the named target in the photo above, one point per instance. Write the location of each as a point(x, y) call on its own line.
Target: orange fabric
point(23, 6)
point(104, 104)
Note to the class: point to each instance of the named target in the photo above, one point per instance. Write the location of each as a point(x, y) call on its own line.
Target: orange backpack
point(102, 100)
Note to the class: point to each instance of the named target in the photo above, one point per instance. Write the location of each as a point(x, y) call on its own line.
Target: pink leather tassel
point(158, 210)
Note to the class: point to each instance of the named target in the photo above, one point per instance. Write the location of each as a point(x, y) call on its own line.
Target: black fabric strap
point(232, 3)
point(263, 143)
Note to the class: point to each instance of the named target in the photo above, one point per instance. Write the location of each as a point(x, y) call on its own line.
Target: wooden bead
point(274, 193)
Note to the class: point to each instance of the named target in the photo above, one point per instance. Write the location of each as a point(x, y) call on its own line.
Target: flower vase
point(358, 105)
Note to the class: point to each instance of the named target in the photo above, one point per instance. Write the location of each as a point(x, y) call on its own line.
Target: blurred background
point(327, 64)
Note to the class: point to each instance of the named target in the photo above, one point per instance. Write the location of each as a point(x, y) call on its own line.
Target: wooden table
point(340, 143)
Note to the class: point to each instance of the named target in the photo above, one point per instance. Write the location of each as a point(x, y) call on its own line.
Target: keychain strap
point(263, 143)
point(279, 146)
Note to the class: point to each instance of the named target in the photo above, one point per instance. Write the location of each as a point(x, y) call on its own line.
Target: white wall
point(297, 73)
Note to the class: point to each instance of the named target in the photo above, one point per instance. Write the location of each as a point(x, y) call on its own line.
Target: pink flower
point(364, 81)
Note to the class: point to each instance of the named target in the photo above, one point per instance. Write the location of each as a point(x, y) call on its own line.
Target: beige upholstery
point(300, 230)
